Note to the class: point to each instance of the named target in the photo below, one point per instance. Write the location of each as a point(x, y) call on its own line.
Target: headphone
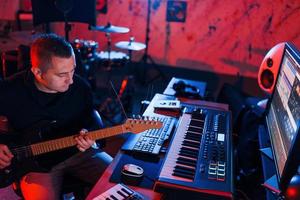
point(186, 90)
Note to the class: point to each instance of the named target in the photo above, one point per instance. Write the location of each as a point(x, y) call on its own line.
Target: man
point(48, 102)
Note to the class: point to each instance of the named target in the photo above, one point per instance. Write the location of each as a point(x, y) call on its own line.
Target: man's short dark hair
point(45, 47)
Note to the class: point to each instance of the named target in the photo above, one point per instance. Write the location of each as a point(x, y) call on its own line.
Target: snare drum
point(87, 48)
point(112, 59)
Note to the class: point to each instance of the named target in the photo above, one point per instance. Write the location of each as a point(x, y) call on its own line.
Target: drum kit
point(108, 59)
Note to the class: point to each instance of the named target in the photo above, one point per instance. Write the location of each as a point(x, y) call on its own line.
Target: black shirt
point(37, 116)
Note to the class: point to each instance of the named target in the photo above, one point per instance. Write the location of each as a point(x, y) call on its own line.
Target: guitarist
point(52, 102)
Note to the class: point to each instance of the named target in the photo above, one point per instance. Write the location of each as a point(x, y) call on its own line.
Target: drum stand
point(107, 35)
point(146, 56)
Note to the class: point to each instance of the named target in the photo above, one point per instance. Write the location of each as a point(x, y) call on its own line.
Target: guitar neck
point(61, 143)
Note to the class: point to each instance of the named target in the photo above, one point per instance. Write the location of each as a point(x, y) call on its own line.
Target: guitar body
point(16, 171)
point(21, 164)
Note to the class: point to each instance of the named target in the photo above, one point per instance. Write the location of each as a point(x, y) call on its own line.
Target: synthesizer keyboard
point(119, 192)
point(199, 157)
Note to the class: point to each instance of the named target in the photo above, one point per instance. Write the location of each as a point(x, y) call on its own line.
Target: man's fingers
point(83, 140)
point(83, 144)
point(5, 158)
point(4, 164)
point(5, 151)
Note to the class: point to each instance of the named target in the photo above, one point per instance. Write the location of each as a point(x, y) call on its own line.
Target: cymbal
point(110, 29)
point(134, 46)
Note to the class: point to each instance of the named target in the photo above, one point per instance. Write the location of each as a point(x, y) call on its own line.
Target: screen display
point(284, 109)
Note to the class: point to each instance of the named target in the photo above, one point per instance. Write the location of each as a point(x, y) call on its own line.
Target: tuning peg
point(133, 116)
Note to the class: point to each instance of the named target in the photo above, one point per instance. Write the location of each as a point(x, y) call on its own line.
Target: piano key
point(183, 175)
point(188, 155)
point(187, 140)
point(195, 134)
point(182, 165)
point(190, 149)
point(197, 123)
point(186, 163)
point(199, 118)
point(192, 138)
point(187, 159)
point(121, 193)
point(191, 144)
point(113, 197)
point(187, 168)
point(184, 169)
point(180, 171)
point(195, 129)
point(193, 154)
point(126, 191)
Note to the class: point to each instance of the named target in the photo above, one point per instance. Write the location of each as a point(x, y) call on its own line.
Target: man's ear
point(36, 72)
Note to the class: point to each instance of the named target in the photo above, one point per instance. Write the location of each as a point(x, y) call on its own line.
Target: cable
point(118, 98)
point(243, 194)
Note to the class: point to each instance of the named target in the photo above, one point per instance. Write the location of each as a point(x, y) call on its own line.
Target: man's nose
point(70, 78)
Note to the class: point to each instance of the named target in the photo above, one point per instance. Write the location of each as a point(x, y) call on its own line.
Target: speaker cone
point(267, 78)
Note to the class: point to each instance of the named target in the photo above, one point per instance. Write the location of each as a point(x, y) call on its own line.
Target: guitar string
point(27, 150)
point(24, 150)
point(21, 150)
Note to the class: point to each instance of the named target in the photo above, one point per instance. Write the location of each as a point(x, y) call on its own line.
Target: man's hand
point(5, 156)
point(83, 141)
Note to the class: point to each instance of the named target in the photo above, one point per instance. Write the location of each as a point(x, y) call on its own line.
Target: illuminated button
point(221, 137)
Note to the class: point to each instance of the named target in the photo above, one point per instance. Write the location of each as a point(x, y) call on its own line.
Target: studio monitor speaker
point(269, 68)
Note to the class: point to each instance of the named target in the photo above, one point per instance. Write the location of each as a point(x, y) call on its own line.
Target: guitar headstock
point(141, 125)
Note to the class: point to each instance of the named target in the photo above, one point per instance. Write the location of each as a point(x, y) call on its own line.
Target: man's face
point(58, 77)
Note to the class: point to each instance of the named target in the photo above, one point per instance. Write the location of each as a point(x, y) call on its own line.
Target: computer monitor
point(283, 115)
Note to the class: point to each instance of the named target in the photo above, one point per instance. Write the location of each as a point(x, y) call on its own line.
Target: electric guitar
point(16, 170)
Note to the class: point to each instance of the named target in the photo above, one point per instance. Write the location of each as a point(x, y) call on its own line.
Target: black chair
point(239, 103)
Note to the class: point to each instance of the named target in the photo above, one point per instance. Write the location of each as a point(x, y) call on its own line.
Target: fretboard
point(65, 142)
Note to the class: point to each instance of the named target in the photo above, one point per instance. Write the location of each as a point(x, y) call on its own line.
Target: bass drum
point(86, 48)
point(112, 59)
